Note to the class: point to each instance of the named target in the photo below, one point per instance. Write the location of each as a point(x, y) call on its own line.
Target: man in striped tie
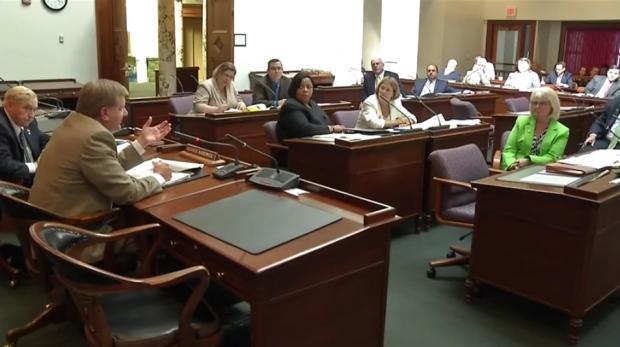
point(21, 141)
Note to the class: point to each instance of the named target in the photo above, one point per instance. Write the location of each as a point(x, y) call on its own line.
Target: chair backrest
point(181, 104)
point(520, 104)
point(497, 156)
point(270, 131)
point(247, 98)
point(463, 109)
point(346, 118)
point(504, 139)
point(465, 163)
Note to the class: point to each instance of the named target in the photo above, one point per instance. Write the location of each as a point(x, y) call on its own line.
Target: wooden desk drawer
point(190, 253)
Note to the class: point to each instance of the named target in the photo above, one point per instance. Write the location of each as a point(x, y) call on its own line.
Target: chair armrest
point(93, 219)
point(444, 181)
point(497, 159)
point(277, 146)
point(494, 171)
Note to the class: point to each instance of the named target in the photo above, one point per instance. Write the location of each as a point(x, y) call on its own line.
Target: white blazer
point(370, 117)
point(523, 80)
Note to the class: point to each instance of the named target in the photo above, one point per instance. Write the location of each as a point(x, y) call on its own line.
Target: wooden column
point(167, 51)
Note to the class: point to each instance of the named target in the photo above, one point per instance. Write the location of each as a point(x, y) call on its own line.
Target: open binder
point(570, 169)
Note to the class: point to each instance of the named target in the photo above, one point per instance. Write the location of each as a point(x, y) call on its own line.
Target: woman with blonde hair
point(384, 108)
point(218, 93)
point(538, 138)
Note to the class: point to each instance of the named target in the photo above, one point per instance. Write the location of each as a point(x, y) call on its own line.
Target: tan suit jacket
point(81, 173)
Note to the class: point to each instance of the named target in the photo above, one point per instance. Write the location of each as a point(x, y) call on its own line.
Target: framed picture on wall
point(240, 40)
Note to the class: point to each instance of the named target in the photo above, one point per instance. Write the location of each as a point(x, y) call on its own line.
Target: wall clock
point(55, 5)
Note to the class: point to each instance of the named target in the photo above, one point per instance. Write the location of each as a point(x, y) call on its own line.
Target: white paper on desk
point(121, 145)
point(597, 159)
point(549, 179)
point(461, 122)
point(344, 137)
point(434, 121)
point(145, 169)
point(232, 110)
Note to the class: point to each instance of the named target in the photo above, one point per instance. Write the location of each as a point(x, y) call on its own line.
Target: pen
point(603, 173)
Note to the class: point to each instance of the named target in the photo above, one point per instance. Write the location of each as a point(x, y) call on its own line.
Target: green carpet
point(420, 311)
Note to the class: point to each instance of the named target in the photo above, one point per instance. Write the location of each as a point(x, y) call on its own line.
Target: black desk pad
point(256, 221)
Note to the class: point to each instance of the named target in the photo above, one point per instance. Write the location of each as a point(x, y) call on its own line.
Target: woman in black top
point(300, 116)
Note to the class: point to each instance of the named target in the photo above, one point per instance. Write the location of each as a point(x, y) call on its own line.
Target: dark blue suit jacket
point(603, 125)
point(12, 167)
point(369, 83)
point(567, 78)
point(441, 86)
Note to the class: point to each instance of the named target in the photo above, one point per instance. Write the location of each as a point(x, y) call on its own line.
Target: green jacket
point(519, 144)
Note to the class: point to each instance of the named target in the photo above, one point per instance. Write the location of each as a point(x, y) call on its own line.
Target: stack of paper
point(145, 169)
point(597, 159)
point(345, 137)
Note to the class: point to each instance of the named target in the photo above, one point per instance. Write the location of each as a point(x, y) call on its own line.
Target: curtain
point(591, 47)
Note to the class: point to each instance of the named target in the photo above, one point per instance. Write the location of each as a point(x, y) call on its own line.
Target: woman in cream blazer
point(384, 109)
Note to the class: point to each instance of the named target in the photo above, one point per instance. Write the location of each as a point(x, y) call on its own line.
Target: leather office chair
point(346, 118)
point(464, 109)
point(520, 104)
point(277, 149)
point(248, 98)
point(18, 214)
point(161, 310)
point(497, 156)
point(455, 200)
point(181, 104)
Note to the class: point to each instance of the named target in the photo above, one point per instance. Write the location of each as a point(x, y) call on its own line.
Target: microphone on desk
point(125, 131)
point(440, 126)
point(399, 111)
point(222, 172)
point(58, 111)
point(5, 82)
point(178, 82)
point(269, 177)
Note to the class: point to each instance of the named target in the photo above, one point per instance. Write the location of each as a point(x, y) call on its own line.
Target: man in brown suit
point(81, 170)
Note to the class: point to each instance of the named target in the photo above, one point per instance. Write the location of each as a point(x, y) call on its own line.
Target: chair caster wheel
point(451, 254)
point(430, 273)
point(13, 283)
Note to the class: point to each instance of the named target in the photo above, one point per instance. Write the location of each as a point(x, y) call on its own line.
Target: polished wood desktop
point(484, 102)
point(559, 247)
point(501, 92)
point(577, 120)
point(140, 109)
point(336, 275)
point(247, 126)
point(389, 169)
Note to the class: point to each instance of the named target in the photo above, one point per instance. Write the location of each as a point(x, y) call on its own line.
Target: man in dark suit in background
point(21, 141)
point(605, 86)
point(372, 78)
point(560, 77)
point(272, 89)
point(605, 131)
point(431, 85)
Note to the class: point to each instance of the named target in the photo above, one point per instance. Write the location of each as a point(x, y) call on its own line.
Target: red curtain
point(591, 47)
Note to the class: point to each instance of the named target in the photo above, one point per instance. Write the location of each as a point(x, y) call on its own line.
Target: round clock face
point(55, 5)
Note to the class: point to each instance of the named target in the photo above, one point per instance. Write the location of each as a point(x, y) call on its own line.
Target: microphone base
point(227, 171)
point(270, 178)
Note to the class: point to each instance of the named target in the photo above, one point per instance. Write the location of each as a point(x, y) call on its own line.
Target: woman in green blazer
point(538, 138)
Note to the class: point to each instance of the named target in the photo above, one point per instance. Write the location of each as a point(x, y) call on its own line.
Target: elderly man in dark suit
point(21, 141)
point(372, 78)
point(560, 77)
point(431, 85)
point(605, 86)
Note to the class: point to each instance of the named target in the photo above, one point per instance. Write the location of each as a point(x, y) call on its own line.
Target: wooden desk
point(248, 126)
point(502, 93)
point(547, 244)
point(352, 94)
point(484, 102)
point(326, 288)
point(581, 100)
point(389, 169)
point(140, 109)
point(66, 89)
point(578, 121)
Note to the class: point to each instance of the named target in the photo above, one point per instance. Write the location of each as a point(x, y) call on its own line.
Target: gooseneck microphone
point(222, 172)
point(269, 177)
point(399, 111)
point(440, 126)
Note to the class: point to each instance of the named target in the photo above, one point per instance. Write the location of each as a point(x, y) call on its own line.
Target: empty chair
point(277, 149)
point(18, 214)
point(117, 310)
point(463, 109)
point(520, 104)
point(247, 98)
point(181, 104)
point(346, 118)
point(455, 200)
